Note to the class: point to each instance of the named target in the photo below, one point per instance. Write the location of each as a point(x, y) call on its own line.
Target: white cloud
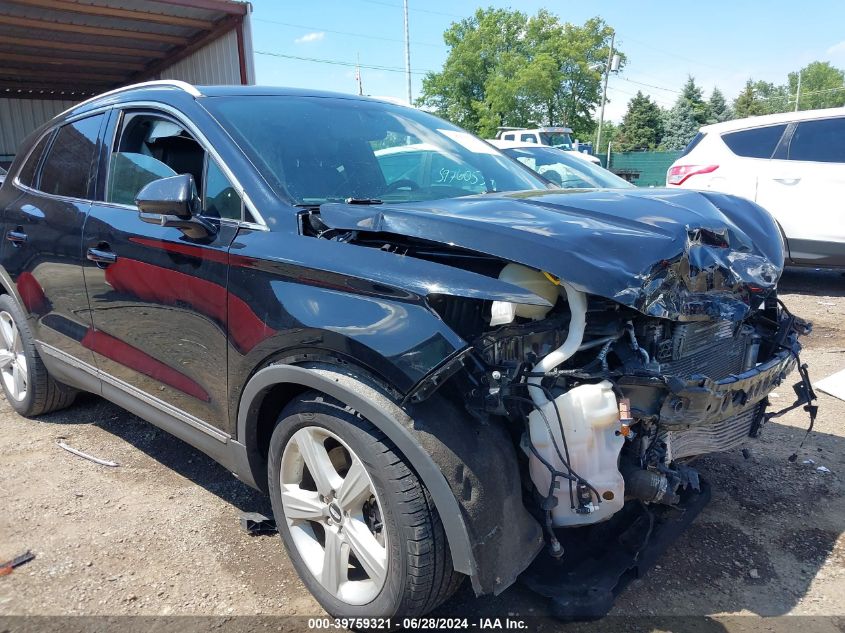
point(316, 36)
point(837, 51)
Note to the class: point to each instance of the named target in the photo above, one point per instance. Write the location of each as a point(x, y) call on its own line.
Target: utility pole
point(358, 77)
point(407, 55)
point(604, 91)
point(798, 91)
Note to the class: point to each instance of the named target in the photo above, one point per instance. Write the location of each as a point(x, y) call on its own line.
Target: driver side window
point(150, 147)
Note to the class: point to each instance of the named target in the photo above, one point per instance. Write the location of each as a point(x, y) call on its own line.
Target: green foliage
point(505, 68)
point(761, 97)
point(773, 98)
point(642, 125)
point(609, 134)
point(746, 103)
point(679, 125)
point(822, 86)
point(719, 110)
point(694, 96)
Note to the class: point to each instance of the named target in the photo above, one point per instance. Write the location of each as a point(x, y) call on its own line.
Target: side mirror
point(174, 202)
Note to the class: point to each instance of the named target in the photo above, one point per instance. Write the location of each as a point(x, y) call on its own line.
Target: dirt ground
point(160, 534)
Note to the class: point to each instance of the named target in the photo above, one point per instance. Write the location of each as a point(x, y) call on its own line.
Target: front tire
point(358, 525)
point(28, 387)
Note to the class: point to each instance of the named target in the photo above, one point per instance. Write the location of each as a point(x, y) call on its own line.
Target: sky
point(720, 43)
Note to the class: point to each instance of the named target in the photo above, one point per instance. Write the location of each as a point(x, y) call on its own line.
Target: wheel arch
point(281, 383)
point(7, 286)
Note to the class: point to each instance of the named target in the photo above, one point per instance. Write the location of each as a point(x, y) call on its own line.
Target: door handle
point(16, 237)
point(787, 181)
point(101, 256)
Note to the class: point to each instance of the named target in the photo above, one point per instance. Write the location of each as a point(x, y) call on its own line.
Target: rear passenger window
point(26, 175)
point(67, 169)
point(820, 141)
point(691, 146)
point(527, 138)
point(757, 143)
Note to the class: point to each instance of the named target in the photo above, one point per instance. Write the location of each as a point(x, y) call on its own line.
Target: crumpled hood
point(669, 253)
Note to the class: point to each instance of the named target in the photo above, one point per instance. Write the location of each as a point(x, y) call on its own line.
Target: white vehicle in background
point(561, 167)
point(792, 164)
point(557, 137)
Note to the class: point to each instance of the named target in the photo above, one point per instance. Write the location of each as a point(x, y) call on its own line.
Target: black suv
point(337, 299)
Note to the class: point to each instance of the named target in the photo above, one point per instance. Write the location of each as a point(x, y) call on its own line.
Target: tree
point(822, 86)
point(642, 125)
point(772, 98)
point(719, 110)
point(504, 68)
point(746, 103)
point(679, 125)
point(694, 96)
point(609, 134)
point(476, 47)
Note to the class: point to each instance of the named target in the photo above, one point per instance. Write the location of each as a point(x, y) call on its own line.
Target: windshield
point(565, 170)
point(557, 139)
point(317, 149)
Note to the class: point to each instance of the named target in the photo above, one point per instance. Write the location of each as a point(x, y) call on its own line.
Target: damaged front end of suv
point(648, 332)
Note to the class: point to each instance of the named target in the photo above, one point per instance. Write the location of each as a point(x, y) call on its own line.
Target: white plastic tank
point(590, 416)
point(536, 282)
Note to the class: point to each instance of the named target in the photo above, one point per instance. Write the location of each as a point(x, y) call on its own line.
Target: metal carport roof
point(71, 49)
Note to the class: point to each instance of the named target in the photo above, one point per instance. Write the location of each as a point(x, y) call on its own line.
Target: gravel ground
point(160, 534)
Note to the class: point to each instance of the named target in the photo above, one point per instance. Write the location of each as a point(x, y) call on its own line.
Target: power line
point(673, 54)
point(640, 83)
point(339, 62)
point(396, 6)
point(350, 33)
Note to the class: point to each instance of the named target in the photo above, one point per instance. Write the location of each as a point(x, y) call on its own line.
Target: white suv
point(793, 164)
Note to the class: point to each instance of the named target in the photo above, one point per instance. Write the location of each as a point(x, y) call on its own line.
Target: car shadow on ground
point(756, 548)
point(770, 527)
point(813, 282)
point(169, 451)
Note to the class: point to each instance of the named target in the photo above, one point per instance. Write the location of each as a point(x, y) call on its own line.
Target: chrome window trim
point(160, 83)
point(15, 180)
point(169, 409)
point(52, 130)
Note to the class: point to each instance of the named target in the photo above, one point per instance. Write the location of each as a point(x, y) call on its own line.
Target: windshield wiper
point(364, 201)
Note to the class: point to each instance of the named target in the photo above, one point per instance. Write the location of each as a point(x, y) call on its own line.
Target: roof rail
point(172, 83)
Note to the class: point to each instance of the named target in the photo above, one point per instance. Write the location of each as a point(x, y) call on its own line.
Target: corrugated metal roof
point(45, 71)
point(49, 46)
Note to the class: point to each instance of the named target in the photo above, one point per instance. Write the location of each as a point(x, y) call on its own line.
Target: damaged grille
point(708, 348)
point(712, 438)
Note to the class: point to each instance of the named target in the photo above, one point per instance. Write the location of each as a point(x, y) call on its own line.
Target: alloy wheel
point(334, 515)
point(13, 366)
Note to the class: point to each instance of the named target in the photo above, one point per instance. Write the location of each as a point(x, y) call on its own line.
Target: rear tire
point(27, 385)
point(417, 572)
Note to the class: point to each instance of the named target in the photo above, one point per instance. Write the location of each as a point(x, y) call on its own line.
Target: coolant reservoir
point(536, 282)
point(590, 416)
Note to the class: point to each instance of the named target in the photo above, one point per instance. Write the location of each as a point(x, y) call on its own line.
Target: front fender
point(469, 469)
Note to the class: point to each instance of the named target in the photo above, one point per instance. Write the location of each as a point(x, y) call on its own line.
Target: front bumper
point(701, 400)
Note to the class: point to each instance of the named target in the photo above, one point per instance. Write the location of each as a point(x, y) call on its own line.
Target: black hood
point(668, 253)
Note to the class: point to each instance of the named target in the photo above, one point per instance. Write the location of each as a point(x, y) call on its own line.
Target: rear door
point(158, 297)
point(804, 188)
point(42, 246)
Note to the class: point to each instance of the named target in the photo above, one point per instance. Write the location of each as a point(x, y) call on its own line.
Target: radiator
point(708, 348)
point(711, 438)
